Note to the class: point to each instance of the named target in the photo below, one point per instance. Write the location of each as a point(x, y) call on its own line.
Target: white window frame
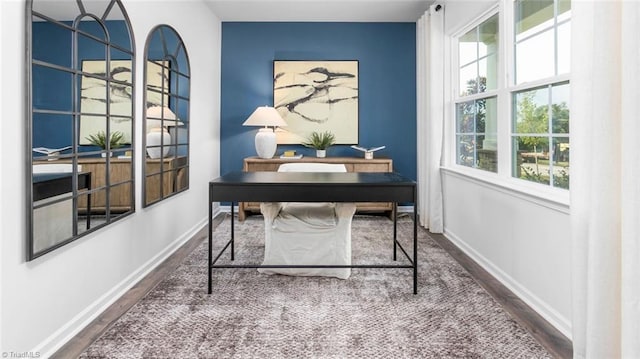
point(506, 87)
point(456, 98)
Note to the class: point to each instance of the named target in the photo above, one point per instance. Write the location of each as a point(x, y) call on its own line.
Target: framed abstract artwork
point(93, 95)
point(316, 96)
point(93, 99)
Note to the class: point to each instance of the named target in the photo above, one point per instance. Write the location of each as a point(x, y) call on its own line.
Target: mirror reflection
point(166, 170)
point(81, 120)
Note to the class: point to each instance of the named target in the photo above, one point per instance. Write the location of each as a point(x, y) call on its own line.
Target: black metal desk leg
point(210, 237)
point(415, 245)
point(232, 233)
point(395, 229)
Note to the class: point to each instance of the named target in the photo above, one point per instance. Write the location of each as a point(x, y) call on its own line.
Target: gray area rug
point(373, 314)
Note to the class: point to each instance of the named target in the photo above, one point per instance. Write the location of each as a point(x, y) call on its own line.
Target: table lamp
point(265, 138)
point(159, 118)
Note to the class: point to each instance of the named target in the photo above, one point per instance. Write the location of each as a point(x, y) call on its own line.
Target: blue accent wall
point(386, 53)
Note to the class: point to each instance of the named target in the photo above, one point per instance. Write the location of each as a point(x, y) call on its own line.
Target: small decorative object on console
point(290, 155)
point(52, 153)
point(368, 152)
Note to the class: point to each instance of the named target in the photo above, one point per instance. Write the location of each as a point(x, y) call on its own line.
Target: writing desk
point(47, 185)
point(313, 187)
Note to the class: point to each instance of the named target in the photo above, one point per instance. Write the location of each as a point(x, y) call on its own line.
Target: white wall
point(46, 301)
point(522, 240)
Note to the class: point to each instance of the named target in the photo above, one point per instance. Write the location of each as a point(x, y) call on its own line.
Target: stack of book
point(290, 155)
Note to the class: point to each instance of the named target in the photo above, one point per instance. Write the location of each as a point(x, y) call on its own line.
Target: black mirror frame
point(182, 165)
point(30, 254)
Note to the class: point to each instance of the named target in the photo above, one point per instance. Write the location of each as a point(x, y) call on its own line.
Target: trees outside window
point(541, 135)
point(540, 108)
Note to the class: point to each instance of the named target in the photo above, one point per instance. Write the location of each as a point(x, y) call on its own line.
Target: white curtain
point(430, 115)
point(605, 178)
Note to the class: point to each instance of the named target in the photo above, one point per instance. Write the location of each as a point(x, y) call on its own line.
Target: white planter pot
point(108, 154)
point(321, 153)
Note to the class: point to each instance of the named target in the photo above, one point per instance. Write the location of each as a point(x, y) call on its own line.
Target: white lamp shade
point(265, 116)
point(161, 116)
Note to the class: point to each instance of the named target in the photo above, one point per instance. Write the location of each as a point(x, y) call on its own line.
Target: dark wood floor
point(547, 335)
point(556, 343)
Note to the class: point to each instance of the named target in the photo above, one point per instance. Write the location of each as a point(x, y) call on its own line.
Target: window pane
point(121, 97)
point(560, 108)
point(92, 27)
point(532, 16)
point(487, 121)
point(465, 117)
point(487, 158)
point(532, 158)
point(488, 33)
point(120, 66)
point(51, 43)
point(466, 148)
point(468, 83)
point(52, 223)
point(561, 162)
point(478, 58)
point(468, 47)
point(532, 111)
point(90, 49)
point(93, 93)
point(476, 136)
point(43, 125)
point(488, 68)
point(92, 130)
point(564, 48)
point(44, 79)
point(534, 57)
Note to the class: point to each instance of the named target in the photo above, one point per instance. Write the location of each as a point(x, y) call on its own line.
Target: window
point(476, 105)
point(512, 93)
point(540, 100)
point(541, 135)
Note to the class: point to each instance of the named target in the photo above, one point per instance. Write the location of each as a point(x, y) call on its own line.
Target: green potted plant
point(320, 142)
point(100, 139)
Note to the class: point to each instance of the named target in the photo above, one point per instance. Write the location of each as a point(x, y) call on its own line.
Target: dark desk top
point(328, 178)
point(44, 177)
point(313, 187)
point(47, 185)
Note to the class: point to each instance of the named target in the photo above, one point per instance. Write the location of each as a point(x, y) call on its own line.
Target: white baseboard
point(55, 341)
point(560, 322)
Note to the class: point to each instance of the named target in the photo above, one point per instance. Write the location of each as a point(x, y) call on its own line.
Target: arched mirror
point(166, 97)
point(80, 119)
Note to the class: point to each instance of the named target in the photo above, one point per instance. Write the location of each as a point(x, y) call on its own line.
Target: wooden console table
point(121, 179)
point(353, 164)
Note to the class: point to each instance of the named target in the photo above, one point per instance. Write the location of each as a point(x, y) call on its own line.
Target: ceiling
point(313, 10)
